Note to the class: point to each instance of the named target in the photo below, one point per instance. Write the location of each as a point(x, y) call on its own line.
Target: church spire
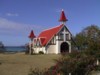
point(63, 18)
point(31, 36)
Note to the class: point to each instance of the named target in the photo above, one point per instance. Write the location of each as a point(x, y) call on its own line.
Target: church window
point(60, 36)
point(35, 44)
point(38, 44)
point(52, 42)
point(67, 36)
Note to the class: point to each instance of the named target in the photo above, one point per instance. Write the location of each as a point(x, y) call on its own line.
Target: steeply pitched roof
point(63, 17)
point(32, 35)
point(46, 35)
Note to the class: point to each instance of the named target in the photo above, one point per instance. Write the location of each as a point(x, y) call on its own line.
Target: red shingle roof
point(46, 35)
point(63, 17)
point(31, 36)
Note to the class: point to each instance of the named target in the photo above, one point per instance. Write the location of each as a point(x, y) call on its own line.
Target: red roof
point(32, 34)
point(63, 17)
point(46, 35)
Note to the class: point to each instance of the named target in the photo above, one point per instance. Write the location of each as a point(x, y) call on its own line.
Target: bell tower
point(65, 43)
point(63, 18)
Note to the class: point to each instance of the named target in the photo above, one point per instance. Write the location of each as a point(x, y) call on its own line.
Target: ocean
point(15, 48)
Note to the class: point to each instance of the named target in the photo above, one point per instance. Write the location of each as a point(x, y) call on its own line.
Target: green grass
point(20, 64)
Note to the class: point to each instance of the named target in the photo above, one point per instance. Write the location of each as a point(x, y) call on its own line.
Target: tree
point(2, 49)
point(77, 63)
point(88, 38)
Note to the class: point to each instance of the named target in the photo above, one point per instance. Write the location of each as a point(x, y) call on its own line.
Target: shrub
point(50, 71)
point(41, 52)
point(34, 54)
point(35, 72)
point(76, 63)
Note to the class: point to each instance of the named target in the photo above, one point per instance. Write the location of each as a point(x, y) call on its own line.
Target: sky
point(19, 17)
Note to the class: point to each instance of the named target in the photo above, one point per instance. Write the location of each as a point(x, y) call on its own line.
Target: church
point(53, 40)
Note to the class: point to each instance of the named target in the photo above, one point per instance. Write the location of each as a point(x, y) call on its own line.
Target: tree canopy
point(88, 38)
point(2, 49)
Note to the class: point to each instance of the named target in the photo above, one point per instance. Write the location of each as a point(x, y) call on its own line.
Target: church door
point(64, 47)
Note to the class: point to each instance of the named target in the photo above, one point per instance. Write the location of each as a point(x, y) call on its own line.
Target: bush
point(50, 71)
point(41, 52)
point(76, 63)
point(35, 72)
point(34, 54)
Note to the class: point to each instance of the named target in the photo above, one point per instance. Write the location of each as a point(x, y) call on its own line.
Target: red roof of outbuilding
point(32, 34)
point(63, 17)
point(46, 35)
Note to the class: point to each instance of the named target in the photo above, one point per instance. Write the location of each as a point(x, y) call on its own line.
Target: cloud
point(9, 25)
point(12, 14)
point(13, 28)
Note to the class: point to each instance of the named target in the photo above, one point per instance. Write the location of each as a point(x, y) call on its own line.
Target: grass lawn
point(20, 64)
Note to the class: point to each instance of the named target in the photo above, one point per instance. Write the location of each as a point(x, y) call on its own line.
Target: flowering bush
point(76, 63)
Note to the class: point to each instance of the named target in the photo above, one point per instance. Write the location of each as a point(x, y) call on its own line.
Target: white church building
point(54, 40)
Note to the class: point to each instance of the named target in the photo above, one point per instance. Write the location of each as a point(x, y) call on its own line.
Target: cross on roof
point(64, 33)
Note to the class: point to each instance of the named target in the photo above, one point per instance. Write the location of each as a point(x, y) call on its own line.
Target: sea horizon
point(14, 48)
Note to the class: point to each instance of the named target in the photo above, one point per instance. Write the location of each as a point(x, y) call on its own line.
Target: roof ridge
point(52, 28)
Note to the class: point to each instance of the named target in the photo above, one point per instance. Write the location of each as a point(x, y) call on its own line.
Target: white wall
point(51, 49)
point(38, 49)
point(54, 48)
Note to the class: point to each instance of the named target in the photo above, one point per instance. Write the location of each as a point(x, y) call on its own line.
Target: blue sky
point(19, 17)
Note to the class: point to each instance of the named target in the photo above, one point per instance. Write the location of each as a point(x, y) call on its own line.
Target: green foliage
point(77, 63)
point(36, 72)
point(88, 38)
point(2, 47)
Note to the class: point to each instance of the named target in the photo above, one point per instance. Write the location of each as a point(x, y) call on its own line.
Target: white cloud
point(12, 14)
point(11, 27)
